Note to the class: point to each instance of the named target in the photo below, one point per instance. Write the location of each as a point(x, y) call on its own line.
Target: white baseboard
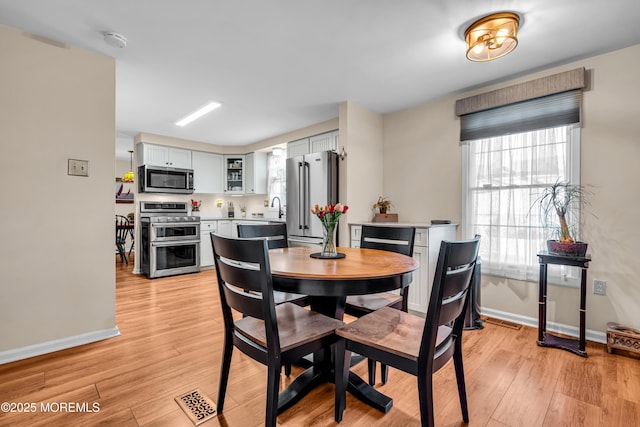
point(572, 331)
point(56, 345)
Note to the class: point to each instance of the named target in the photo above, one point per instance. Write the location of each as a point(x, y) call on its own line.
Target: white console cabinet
point(426, 248)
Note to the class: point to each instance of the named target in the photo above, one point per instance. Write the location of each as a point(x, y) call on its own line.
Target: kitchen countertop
point(250, 218)
point(416, 224)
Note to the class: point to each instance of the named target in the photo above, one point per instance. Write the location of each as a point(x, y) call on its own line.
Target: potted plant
point(383, 205)
point(563, 200)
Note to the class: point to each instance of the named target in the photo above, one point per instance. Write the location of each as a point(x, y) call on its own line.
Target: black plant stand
point(547, 340)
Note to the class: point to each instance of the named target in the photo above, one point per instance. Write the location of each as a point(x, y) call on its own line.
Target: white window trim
point(557, 275)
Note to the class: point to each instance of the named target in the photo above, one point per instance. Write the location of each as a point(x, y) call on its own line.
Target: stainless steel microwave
point(156, 179)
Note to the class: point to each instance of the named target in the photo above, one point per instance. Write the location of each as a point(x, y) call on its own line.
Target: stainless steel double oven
point(170, 239)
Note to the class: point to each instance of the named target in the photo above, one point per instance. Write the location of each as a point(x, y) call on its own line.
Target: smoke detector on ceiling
point(115, 40)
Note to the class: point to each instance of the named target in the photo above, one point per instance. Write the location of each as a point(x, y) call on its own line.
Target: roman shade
point(539, 104)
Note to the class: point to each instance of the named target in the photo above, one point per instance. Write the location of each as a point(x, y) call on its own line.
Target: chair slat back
point(451, 283)
point(276, 233)
point(243, 265)
point(122, 222)
point(393, 239)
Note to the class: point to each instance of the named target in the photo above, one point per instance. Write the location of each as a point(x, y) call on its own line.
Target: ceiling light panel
point(198, 113)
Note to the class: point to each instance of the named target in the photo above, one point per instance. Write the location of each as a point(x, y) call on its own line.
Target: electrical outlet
point(599, 287)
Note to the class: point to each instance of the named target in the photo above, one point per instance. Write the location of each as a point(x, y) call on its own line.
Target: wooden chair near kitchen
point(410, 343)
point(122, 231)
point(393, 239)
point(268, 333)
point(276, 236)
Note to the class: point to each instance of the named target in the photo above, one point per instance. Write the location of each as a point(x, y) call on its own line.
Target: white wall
point(57, 281)
point(422, 159)
point(361, 172)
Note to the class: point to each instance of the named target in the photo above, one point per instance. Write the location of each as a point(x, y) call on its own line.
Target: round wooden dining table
point(328, 282)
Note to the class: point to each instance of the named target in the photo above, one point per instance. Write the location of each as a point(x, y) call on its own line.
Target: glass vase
point(329, 241)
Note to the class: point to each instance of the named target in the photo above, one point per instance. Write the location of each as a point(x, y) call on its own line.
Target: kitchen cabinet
point(208, 172)
point(298, 148)
point(224, 228)
point(327, 141)
point(161, 155)
point(206, 249)
point(426, 249)
point(234, 174)
point(324, 142)
point(255, 173)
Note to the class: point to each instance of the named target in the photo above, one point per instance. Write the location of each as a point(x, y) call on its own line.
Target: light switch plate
point(78, 167)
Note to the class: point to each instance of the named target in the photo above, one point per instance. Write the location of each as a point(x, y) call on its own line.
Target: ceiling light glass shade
point(129, 176)
point(277, 151)
point(492, 36)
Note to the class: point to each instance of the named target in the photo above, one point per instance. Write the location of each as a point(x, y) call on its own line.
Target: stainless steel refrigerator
point(311, 179)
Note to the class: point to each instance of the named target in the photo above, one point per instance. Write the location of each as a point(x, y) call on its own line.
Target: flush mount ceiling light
point(115, 39)
point(199, 113)
point(277, 151)
point(491, 37)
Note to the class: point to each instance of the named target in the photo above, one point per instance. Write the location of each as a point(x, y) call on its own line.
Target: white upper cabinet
point(298, 148)
point(234, 174)
point(160, 155)
point(324, 142)
point(256, 173)
point(208, 172)
point(327, 141)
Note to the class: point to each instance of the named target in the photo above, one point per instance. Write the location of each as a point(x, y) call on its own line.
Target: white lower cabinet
point(426, 249)
point(206, 250)
point(224, 227)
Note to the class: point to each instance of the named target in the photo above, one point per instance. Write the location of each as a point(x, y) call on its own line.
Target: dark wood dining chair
point(268, 333)
point(410, 343)
point(276, 236)
point(393, 239)
point(122, 231)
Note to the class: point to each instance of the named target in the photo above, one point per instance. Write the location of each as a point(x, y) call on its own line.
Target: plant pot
point(383, 210)
point(567, 249)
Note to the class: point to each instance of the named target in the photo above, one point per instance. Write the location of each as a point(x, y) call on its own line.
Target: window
point(276, 176)
point(503, 177)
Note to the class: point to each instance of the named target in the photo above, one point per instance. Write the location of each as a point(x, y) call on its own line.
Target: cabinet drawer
point(208, 226)
point(422, 237)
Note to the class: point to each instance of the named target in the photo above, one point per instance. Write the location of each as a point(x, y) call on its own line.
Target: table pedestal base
point(314, 376)
point(568, 344)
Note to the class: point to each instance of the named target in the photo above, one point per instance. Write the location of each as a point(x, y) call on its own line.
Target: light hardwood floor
point(171, 331)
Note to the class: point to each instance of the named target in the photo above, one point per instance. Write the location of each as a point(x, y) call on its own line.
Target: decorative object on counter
point(219, 203)
point(562, 200)
point(195, 207)
point(243, 209)
point(383, 205)
point(622, 338)
point(230, 211)
point(329, 216)
point(386, 217)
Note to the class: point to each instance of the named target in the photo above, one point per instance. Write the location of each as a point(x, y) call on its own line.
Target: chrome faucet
point(280, 213)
